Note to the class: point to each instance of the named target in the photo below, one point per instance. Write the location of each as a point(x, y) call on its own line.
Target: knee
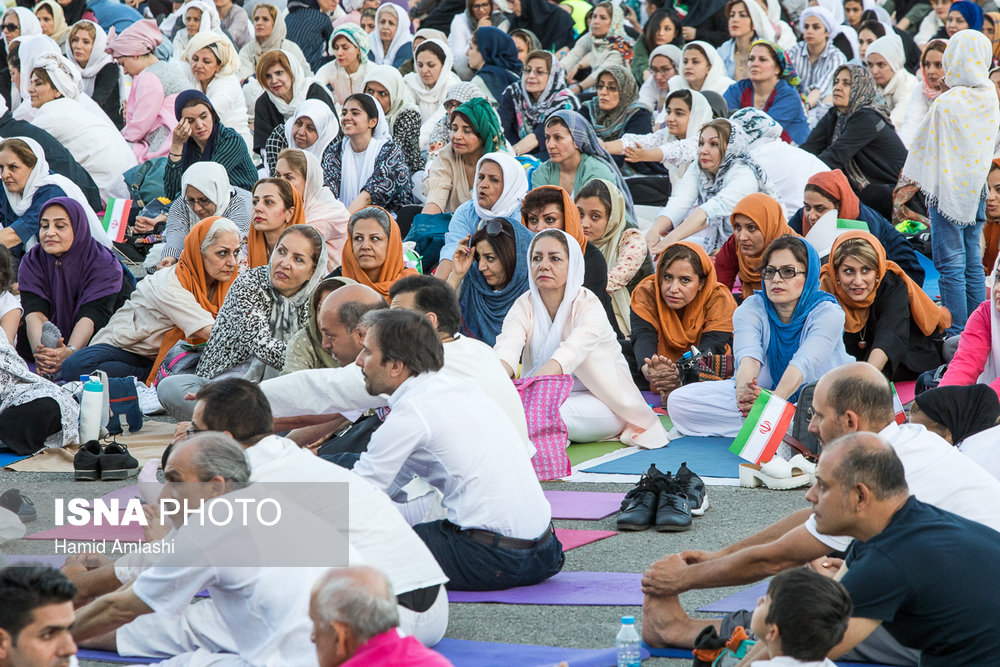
point(81, 362)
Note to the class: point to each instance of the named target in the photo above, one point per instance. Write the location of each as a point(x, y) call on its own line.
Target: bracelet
point(72, 348)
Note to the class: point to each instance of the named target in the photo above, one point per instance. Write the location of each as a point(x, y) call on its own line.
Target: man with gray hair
point(355, 622)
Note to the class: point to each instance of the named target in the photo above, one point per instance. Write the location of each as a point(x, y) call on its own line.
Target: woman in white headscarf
point(885, 58)
point(391, 43)
point(29, 49)
point(430, 83)
point(385, 84)
point(26, 20)
point(747, 23)
point(558, 328)
point(79, 124)
point(197, 16)
point(816, 60)
point(654, 90)
point(212, 63)
point(286, 87)
point(701, 69)
point(783, 33)
point(313, 128)
point(270, 34)
point(100, 77)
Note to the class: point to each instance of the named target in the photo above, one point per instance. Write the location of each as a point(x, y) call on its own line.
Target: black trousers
point(24, 428)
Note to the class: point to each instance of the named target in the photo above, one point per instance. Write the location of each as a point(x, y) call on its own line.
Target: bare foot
point(665, 623)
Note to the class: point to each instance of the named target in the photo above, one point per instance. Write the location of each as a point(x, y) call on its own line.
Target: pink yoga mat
point(583, 504)
point(566, 588)
point(571, 539)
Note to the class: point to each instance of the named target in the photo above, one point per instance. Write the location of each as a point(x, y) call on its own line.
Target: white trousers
point(705, 409)
point(589, 420)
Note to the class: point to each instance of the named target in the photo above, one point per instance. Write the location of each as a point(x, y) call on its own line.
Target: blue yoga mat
point(708, 457)
point(8, 457)
point(931, 277)
point(671, 652)
point(465, 653)
point(108, 656)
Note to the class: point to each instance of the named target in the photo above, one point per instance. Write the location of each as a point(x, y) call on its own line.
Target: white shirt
point(937, 474)
point(786, 661)
point(984, 449)
point(448, 432)
point(377, 530)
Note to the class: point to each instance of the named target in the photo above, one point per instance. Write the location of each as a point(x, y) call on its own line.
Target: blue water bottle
point(628, 644)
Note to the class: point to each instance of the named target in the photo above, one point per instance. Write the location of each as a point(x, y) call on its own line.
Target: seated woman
point(149, 110)
point(605, 44)
point(27, 187)
point(212, 62)
point(391, 44)
point(179, 302)
point(486, 293)
point(857, 137)
point(662, 29)
point(500, 186)
point(965, 416)
point(286, 87)
point(200, 136)
point(816, 60)
point(525, 41)
point(493, 58)
point(656, 88)
point(602, 216)
point(305, 348)
point(10, 302)
point(322, 211)
point(703, 199)
point(70, 280)
point(885, 59)
point(374, 256)
point(313, 128)
point(525, 105)
point(79, 124)
point(891, 323)
point(962, 15)
point(53, 21)
point(196, 16)
point(931, 84)
point(748, 22)
point(558, 328)
point(701, 69)
point(757, 221)
point(386, 85)
point(205, 192)
point(977, 360)
point(784, 337)
point(264, 308)
point(99, 75)
point(463, 27)
point(430, 83)
point(680, 306)
point(345, 74)
point(276, 207)
point(475, 131)
point(440, 135)
point(270, 34)
point(830, 190)
point(771, 87)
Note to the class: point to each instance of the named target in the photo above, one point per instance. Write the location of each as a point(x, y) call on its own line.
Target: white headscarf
point(327, 126)
point(300, 88)
point(379, 55)
point(649, 92)
point(431, 100)
point(98, 58)
point(515, 186)
point(28, 21)
point(210, 22)
point(889, 47)
point(229, 57)
point(399, 95)
point(65, 77)
point(758, 17)
point(351, 180)
point(825, 17)
point(547, 333)
point(324, 212)
point(717, 80)
point(40, 176)
point(29, 50)
point(835, 7)
point(991, 370)
point(950, 155)
point(852, 36)
point(212, 180)
point(701, 113)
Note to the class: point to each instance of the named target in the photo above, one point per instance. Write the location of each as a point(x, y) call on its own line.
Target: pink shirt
point(391, 650)
point(146, 111)
point(973, 350)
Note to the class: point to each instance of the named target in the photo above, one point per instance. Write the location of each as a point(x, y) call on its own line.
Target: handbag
point(145, 181)
point(716, 367)
point(181, 359)
point(542, 396)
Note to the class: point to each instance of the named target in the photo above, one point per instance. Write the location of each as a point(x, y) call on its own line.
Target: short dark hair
point(811, 612)
point(878, 468)
point(237, 406)
point(404, 336)
point(868, 397)
point(7, 274)
point(504, 245)
point(351, 312)
point(24, 589)
point(539, 198)
point(844, 45)
point(432, 295)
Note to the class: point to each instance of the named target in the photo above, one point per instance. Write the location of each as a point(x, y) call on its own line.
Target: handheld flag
point(116, 218)
point(763, 429)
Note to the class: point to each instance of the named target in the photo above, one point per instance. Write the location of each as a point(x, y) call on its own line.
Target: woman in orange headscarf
point(991, 230)
point(680, 305)
point(889, 321)
point(276, 207)
point(757, 220)
point(374, 254)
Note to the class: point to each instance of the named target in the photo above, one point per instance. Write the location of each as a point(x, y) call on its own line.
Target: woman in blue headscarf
point(962, 15)
point(493, 54)
point(784, 336)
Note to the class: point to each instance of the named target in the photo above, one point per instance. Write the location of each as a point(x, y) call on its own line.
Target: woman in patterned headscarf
point(346, 74)
point(526, 104)
point(606, 44)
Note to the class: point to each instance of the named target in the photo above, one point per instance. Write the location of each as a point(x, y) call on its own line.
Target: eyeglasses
point(610, 87)
point(192, 431)
point(10, 27)
point(661, 70)
point(786, 272)
point(201, 201)
point(536, 72)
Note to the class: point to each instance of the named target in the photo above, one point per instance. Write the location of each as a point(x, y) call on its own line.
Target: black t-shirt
point(931, 578)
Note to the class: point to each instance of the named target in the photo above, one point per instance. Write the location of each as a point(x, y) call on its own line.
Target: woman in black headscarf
point(552, 25)
point(956, 412)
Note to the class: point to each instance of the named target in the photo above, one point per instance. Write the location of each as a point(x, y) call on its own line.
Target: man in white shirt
point(498, 533)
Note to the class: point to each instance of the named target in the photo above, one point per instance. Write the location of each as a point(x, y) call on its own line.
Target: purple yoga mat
point(567, 588)
point(90, 532)
point(583, 504)
point(53, 560)
point(465, 653)
point(745, 599)
point(652, 399)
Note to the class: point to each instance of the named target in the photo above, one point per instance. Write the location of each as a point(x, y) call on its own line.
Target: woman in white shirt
point(345, 75)
point(701, 69)
point(885, 59)
point(430, 83)
point(213, 63)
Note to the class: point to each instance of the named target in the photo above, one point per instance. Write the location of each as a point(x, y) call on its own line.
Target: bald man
point(854, 397)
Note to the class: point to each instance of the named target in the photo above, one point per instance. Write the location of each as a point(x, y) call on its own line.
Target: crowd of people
point(321, 230)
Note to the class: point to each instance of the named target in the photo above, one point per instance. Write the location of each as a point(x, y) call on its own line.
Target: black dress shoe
point(639, 505)
point(673, 512)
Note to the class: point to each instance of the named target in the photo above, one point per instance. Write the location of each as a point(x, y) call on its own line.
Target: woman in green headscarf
point(345, 74)
point(305, 349)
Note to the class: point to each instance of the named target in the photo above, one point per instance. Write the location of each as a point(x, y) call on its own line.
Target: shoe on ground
point(87, 462)
point(673, 511)
point(803, 465)
point(694, 488)
point(776, 474)
point(117, 463)
point(19, 504)
point(639, 505)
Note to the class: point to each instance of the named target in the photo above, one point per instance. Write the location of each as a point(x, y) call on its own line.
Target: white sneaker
point(148, 401)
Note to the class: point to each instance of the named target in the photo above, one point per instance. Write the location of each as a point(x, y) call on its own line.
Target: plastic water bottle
point(628, 644)
point(91, 407)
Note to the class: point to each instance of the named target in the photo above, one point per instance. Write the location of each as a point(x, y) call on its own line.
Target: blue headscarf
point(501, 65)
point(972, 13)
point(784, 342)
point(483, 308)
point(188, 156)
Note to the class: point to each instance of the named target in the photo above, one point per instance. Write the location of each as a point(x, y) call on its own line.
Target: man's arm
point(108, 613)
point(770, 534)
point(858, 630)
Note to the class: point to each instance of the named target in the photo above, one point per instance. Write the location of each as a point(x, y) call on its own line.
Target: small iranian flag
point(763, 429)
point(897, 406)
point(116, 218)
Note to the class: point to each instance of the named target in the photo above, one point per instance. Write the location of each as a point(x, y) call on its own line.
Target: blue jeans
point(114, 361)
point(474, 566)
point(957, 258)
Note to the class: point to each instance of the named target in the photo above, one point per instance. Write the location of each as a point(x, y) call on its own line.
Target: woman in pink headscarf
point(149, 112)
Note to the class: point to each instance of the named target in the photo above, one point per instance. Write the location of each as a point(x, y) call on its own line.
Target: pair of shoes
point(777, 474)
point(19, 504)
point(657, 501)
point(112, 462)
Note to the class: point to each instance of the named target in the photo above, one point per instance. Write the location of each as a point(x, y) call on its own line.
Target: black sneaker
point(673, 512)
point(694, 488)
point(639, 505)
point(117, 463)
point(19, 504)
point(87, 462)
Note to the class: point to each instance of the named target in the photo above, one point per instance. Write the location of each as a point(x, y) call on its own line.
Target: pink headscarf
point(138, 39)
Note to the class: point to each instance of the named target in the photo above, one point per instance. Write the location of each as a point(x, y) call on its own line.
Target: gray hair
point(220, 226)
point(361, 597)
point(374, 213)
point(217, 453)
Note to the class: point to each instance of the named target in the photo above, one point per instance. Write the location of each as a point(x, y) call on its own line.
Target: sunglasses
point(10, 27)
point(494, 227)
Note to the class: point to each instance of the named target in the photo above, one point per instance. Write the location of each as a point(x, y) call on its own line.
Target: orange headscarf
point(835, 183)
point(392, 269)
point(770, 218)
point(190, 271)
point(991, 232)
point(677, 331)
point(928, 316)
point(257, 244)
point(995, 16)
point(571, 216)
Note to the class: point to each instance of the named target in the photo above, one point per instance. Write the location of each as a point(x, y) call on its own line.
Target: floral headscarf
point(863, 95)
point(556, 95)
point(757, 125)
point(356, 35)
point(788, 72)
point(616, 39)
